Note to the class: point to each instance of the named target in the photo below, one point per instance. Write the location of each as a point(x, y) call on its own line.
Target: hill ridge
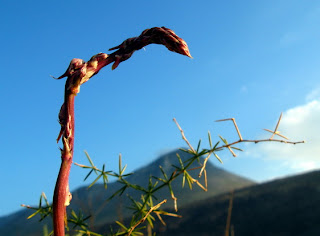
point(285, 206)
point(91, 200)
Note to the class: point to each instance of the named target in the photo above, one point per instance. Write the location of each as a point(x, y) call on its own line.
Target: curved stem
point(62, 196)
point(80, 72)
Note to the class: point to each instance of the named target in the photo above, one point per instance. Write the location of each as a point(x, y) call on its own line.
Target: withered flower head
point(157, 35)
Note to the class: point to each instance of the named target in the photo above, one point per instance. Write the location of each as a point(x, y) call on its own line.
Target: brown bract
point(156, 35)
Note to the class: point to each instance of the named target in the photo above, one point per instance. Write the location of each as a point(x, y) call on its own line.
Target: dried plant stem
point(183, 136)
point(235, 125)
point(232, 152)
point(80, 72)
point(229, 214)
point(229, 145)
point(258, 141)
point(203, 168)
point(62, 196)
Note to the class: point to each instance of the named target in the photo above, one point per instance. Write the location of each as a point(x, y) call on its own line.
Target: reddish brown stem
point(80, 72)
point(62, 195)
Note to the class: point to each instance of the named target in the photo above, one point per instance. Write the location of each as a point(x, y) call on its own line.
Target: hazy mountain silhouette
point(283, 207)
point(92, 201)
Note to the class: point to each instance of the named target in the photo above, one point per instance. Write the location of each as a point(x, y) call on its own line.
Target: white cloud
point(298, 123)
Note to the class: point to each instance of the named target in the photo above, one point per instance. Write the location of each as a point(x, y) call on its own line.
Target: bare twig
point(229, 213)
point(238, 131)
point(232, 152)
point(258, 141)
point(227, 145)
point(183, 136)
point(205, 178)
point(204, 164)
point(254, 141)
point(235, 125)
point(241, 140)
point(199, 184)
point(276, 132)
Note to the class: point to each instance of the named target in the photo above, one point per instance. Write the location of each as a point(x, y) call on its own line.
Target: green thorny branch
point(143, 210)
point(80, 72)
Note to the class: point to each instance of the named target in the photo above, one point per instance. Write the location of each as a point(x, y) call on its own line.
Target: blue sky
point(252, 61)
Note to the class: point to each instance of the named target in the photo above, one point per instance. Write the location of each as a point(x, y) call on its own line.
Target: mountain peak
point(92, 201)
point(166, 161)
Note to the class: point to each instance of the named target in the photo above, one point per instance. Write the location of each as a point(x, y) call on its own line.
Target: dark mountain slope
point(219, 181)
point(289, 206)
point(92, 201)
